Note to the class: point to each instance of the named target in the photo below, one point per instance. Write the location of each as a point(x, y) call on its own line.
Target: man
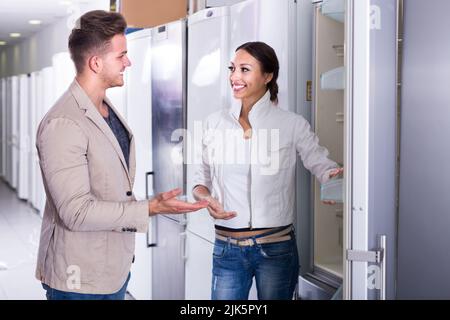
point(87, 159)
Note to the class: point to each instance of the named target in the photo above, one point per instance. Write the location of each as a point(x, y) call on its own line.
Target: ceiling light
point(2, 43)
point(65, 3)
point(35, 22)
point(14, 35)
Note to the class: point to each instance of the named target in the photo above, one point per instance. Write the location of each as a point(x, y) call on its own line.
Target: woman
point(251, 197)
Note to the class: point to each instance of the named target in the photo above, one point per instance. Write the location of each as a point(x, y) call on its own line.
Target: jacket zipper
point(250, 225)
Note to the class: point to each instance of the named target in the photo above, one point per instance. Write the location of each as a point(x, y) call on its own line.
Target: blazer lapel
point(132, 155)
point(92, 113)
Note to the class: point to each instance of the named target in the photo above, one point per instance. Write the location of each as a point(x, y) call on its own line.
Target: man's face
point(115, 61)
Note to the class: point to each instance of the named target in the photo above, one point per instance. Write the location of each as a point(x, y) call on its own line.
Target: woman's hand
point(333, 174)
point(217, 211)
point(336, 172)
point(214, 207)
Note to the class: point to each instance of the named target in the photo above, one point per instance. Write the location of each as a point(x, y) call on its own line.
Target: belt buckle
point(246, 242)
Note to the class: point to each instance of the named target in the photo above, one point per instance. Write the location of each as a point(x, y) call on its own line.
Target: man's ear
point(95, 64)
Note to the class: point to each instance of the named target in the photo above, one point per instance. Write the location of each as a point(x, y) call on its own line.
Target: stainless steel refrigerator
point(424, 206)
point(168, 120)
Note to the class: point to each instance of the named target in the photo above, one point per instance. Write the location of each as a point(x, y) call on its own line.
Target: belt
point(279, 236)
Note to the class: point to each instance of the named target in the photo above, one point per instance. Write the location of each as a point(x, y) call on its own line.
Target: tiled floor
point(20, 227)
point(19, 239)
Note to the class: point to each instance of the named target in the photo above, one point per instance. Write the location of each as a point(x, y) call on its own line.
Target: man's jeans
point(53, 294)
point(274, 266)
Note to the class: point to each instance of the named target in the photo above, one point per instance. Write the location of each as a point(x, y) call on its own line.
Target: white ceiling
point(15, 14)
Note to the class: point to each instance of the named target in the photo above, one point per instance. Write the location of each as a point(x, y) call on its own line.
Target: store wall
point(36, 52)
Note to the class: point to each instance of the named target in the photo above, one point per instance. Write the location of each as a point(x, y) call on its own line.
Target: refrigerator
point(9, 134)
point(38, 186)
point(214, 35)
point(168, 82)
point(24, 137)
point(321, 226)
point(424, 219)
point(63, 74)
point(15, 118)
point(45, 101)
point(347, 251)
point(208, 58)
point(117, 97)
point(137, 94)
point(3, 127)
point(32, 127)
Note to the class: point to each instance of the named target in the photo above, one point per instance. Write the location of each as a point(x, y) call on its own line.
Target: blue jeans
point(274, 266)
point(53, 294)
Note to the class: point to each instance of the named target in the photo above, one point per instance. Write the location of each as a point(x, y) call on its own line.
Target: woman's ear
point(269, 77)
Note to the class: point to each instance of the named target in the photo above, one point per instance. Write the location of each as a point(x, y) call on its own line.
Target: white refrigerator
point(214, 35)
point(32, 127)
point(3, 126)
point(207, 92)
point(138, 98)
point(63, 74)
point(24, 137)
point(39, 75)
point(45, 101)
point(14, 131)
point(8, 130)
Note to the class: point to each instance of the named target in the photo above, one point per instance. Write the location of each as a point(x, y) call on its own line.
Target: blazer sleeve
point(62, 148)
point(314, 157)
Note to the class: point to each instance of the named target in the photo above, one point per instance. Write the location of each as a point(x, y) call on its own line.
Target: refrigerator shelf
point(333, 79)
point(334, 9)
point(332, 190)
point(339, 49)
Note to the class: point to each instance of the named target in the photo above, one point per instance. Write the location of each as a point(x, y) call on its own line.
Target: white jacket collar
point(259, 108)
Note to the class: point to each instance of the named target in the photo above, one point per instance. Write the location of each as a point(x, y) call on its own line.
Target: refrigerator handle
point(383, 267)
point(147, 196)
point(183, 237)
point(151, 232)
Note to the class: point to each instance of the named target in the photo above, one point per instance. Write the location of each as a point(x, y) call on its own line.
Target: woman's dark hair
point(93, 33)
point(269, 63)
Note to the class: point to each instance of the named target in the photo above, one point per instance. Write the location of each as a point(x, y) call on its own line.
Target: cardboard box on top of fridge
point(147, 14)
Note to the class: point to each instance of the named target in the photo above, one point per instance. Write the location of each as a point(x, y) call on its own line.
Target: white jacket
point(277, 136)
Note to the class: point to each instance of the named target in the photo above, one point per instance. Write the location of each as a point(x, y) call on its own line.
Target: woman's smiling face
point(247, 80)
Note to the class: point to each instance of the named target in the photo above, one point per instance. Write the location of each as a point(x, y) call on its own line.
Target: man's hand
point(167, 202)
point(333, 174)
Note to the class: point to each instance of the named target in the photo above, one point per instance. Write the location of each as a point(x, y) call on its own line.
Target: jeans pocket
point(219, 250)
point(277, 250)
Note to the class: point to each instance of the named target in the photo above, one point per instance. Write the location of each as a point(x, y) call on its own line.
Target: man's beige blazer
point(87, 234)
